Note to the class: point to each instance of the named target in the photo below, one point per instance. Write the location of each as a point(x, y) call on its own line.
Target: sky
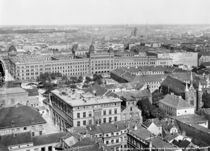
point(71, 12)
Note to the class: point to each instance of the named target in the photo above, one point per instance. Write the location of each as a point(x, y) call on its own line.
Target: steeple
point(186, 88)
point(199, 86)
point(191, 80)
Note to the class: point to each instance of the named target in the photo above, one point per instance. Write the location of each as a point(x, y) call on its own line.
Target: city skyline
point(81, 12)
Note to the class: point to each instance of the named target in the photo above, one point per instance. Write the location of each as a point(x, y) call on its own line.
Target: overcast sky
point(67, 12)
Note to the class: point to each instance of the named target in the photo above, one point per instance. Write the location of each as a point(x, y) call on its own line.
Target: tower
point(190, 93)
point(199, 97)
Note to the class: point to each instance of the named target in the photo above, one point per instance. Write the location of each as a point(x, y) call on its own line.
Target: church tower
point(190, 93)
point(199, 97)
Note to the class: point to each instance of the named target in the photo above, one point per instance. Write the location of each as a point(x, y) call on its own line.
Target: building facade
point(29, 67)
point(74, 109)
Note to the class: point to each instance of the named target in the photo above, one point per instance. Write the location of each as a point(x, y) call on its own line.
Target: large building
point(186, 58)
point(73, 109)
point(29, 67)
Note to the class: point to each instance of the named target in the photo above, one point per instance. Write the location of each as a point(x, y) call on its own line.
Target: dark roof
point(156, 121)
point(107, 128)
point(19, 116)
point(32, 92)
point(48, 139)
point(84, 142)
point(16, 139)
point(181, 143)
point(142, 133)
point(157, 142)
point(173, 84)
point(87, 144)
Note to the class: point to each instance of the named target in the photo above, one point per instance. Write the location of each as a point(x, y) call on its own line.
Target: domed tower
point(12, 50)
point(190, 93)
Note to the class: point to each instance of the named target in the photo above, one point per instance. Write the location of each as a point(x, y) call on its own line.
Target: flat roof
point(80, 98)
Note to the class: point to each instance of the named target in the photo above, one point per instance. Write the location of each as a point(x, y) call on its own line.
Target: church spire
point(186, 88)
point(191, 80)
point(199, 86)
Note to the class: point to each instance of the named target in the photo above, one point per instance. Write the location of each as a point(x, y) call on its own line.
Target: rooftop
point(48, 139)
point(107, 128)
point(19, 116)
point(175, 101)
point(12, 90)
point(16, 139)
point(80, 98)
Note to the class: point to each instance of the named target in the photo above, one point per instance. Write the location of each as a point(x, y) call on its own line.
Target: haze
point(68, 12)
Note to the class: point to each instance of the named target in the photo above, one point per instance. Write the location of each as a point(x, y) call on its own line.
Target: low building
point(141, 139)
point(12, 96)
point(114, 136)
point(72, 108)
point(19, 119)
point(175, 106)
point(25, 142)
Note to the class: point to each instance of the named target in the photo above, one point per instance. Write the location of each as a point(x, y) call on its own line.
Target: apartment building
point(74, 108)
point(114, 136)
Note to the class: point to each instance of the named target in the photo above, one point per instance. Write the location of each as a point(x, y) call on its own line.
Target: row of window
point(99, 121)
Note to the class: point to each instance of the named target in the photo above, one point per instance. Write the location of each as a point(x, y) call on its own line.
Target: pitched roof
point(173, 84)
point(48, 139)
point(107, 128)
point(156, 121)
point(16, 139)
point(19, 116)
point(175, 101)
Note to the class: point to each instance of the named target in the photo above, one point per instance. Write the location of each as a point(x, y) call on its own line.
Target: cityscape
point(104, 86)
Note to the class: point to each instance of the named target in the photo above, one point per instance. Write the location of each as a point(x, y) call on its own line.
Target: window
point(90, 122)
point(84, 114)
point(84, 122)
point(33, 134)
point(104, 112)
point(104, 120)
point(43, 149)
point(78, 115)
point(131, 109)
point(78, 123)
point(110, 119)
point(115, 111)
point(49, 148)
point(110, 111)
point(107, 142)
point(90, 114)
point(112, 141)
point(115, 118)
point(25, 128)
point(40, 132)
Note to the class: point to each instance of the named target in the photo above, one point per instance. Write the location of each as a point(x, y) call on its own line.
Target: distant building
point(73, 109)
point(19, 119)
point(29, 67)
